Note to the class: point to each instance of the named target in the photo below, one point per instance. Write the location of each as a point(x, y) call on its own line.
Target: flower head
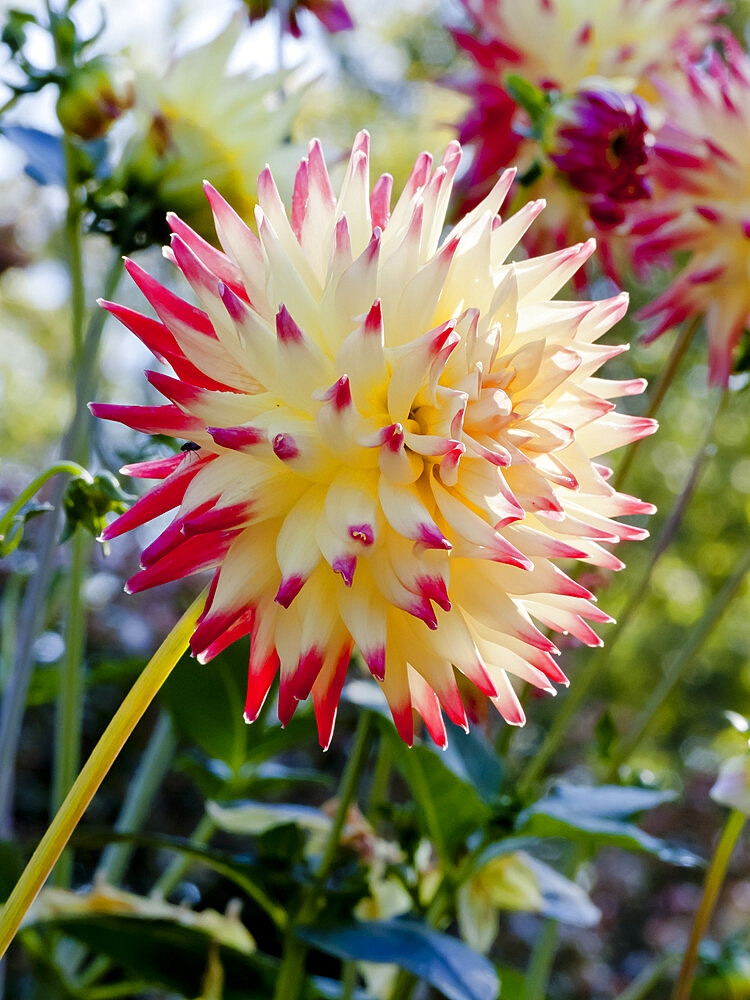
point(701, 179)
point(600, 147)
point(392, 441)
point(590, 53)
point(197, 121)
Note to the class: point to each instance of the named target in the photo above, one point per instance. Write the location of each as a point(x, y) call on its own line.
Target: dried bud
point(92, 98)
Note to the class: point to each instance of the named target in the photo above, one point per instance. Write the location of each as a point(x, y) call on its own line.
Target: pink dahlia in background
point(332, 14)
point(393, 436)
point(581, 50)
point(701, 179)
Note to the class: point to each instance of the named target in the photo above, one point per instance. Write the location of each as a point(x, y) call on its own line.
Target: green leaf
point(168, 955)
point(596, 817)
point(473, 759)
point(254, 818)
point(14, 533)
point(205, 702)
point(534, 101)
point(244, 870)
point(454, 969)
point(450, 808)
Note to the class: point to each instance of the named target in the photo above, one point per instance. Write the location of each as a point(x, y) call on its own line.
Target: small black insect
point(190, 446)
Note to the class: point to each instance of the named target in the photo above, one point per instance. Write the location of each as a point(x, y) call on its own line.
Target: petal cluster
point(393, 433)
point(601, 147)
point(578, 49)
point(700, 174)
point(198, 120)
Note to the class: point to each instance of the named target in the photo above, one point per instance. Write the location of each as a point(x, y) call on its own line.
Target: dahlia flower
point(575, 48)
point(700, 175)
point(392, 439)
point(197, 121)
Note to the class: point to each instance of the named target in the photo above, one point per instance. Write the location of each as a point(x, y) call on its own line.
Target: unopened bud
point(92, 98)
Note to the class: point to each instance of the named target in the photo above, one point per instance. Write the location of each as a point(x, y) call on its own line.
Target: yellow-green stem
point(711, 889)
point(94, 770)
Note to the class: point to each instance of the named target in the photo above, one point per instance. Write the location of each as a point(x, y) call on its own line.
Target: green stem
point(627, 744)
point(643, 983)
point(542, 958)
point(200, 836)
point(381, 775)
point(593, 667)
point(69, 709)
point(94, 770)
point(291, 976)
point(152, 769)
point(30, 616)
point(545, 946)
point(35, 485)
point(659, 391)
point(711, 888)
point(348, 980)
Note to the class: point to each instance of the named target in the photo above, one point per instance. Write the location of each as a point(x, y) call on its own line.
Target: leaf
point(102, 898)
point(254, 818)
point(169, 955)
point(610, 801)
point(471, 757)
point(443, 961)
point(596, 816)
point(10, 541)
point(443, 797)
point(562, 899)
point(45, 162)
point(243, 870)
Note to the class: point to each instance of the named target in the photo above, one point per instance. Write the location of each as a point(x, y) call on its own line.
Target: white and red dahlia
point(393, 432)
point(599, 55)
point(700, 173)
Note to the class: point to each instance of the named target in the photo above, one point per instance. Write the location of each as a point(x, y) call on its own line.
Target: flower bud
point(92, 98)
point(732, 787)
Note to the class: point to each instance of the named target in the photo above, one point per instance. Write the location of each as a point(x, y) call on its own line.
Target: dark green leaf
point(205, 703)
point(169, 955)
point(441, 795)
point(12, 538)
point(443, 961)
point(473, 759)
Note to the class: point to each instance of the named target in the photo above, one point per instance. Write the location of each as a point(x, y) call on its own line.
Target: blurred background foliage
point(389, 74)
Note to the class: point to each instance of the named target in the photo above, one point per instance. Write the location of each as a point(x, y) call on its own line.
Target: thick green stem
point(711, 889)
point(152, 768)
point(659, 391)
point(292, 973)
point(593, 667)
point(628, 743)
point(94, 770)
